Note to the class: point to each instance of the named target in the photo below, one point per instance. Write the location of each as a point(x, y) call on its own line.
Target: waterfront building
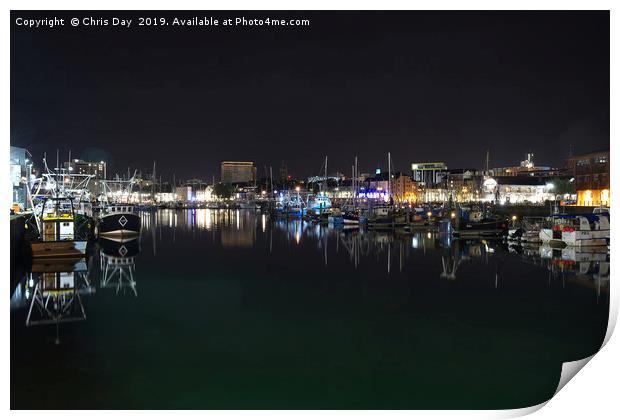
point(236, 172)
point(591, 177)
point(379, 182)
point(517, 190)
point(428, 174)
point(463, 185)
point(404, 189)
point(183, 193)
point(21, 168)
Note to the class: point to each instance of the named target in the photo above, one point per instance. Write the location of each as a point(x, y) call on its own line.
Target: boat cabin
point(119, 208)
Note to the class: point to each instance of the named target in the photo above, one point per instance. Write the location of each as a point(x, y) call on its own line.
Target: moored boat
point(57, 236)
point(576, 230)
point(118, 220)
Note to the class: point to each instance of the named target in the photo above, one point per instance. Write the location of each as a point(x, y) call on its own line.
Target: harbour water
point(223, 309)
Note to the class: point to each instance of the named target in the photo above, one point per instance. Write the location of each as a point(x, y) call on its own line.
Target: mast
point(271, 178)
point(389, 174)
point(355, 180)
point(487, 161)
point(153, 179)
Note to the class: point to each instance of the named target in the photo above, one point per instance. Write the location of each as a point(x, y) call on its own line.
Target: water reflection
point(53, 292)
point(118, 265)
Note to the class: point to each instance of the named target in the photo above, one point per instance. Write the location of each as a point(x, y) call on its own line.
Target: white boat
point(576, 230)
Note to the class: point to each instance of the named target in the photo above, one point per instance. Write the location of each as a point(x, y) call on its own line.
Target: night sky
point(425, 86)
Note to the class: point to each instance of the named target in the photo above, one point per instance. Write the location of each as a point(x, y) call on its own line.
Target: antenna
point(487, 163)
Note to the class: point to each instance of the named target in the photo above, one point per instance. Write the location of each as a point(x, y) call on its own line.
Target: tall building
point(591, 177)
point(237, 172)
point(78, 166)
point(21, 167)
point(428, 174)
point(404, 189)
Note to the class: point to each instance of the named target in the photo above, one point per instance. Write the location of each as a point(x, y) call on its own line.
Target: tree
point(223, 191)
point(563, 186)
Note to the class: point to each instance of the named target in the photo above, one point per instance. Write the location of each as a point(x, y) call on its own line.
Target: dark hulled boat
point(119, 220)
point(478, 223)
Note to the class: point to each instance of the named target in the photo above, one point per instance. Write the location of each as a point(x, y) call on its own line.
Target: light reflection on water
point(242, 249)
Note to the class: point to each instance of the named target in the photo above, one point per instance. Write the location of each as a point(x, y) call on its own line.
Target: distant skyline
point(425, 86)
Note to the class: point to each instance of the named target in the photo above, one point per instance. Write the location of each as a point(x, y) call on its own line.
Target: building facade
point(98, 170)
point(21, 167)
point(428, 174)
point(517, 190)
point(237, 172)
point(404, 190)
point(591, 176)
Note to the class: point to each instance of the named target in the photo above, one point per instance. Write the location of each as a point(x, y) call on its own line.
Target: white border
point(593, 394)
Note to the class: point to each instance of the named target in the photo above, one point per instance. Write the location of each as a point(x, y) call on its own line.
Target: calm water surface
point(227, 309)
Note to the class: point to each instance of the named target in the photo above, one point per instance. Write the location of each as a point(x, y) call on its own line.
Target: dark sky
point(425, 86)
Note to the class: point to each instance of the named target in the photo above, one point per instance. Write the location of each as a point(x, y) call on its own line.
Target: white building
point(517, 189)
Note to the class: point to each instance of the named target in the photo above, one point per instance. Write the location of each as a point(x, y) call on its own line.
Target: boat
point(248, 205)
point(477, 222)
point(319, 203)
point(528, 231)
point(118, 220)
point(57, 230)
point(576, 230)
point(351, 218)
point(335, 218)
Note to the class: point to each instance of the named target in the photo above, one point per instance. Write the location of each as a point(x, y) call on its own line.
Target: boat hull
point(119, 224)
point(58, 249)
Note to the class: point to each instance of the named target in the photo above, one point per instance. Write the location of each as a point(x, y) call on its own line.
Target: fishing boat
point(335, 218)
point(527, 231)
point(319, 203)
point(118, 220)
point(576, 230)
point(477, 222)
point(351, 218)
point(57, 230)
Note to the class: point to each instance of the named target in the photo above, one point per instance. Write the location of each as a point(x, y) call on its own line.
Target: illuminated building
point(591, 176)
point(404, 189)
point(236, 172)
point(80, 167)
point(517, 190)
point(429, 174)
point(21, 168)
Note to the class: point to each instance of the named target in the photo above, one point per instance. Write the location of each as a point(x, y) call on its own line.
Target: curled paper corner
point(521, 412)
point(611, 319)
point(570, 369)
